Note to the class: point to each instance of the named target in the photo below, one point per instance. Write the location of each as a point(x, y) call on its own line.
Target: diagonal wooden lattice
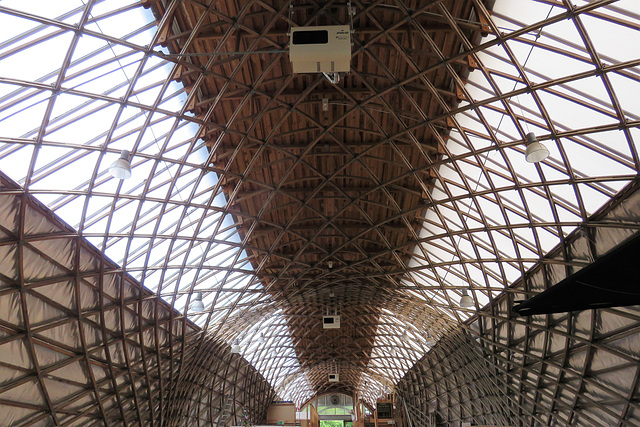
point(408, 190)
point(577, 368)
point(82, 343)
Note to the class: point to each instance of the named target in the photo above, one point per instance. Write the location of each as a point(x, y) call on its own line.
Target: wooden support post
point(191, 106)
point(486, 28)
point(473, 64)
point(148, 3)
point(164, 33)
point(375, 416)
point(460, 94)
point(450, 123)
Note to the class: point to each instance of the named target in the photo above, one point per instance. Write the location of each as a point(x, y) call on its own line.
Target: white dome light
point(121, 168)
point(466, 301)
point(197, 305)
point(536, 151)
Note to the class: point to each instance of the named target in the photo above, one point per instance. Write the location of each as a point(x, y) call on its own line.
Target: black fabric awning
point(611, 281)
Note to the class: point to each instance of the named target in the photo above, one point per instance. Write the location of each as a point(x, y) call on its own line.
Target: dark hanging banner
point(611, 281)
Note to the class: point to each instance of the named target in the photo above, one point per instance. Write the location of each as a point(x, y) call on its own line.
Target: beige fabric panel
point(577, 368)
point(81, 343)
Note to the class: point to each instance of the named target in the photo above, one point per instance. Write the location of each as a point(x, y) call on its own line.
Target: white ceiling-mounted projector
point(334, 378)
point(331, 322)
point(324, 49)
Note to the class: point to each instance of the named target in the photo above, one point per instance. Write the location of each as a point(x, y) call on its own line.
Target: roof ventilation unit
point(334, 378)
point(320, 49)
point(331, 322)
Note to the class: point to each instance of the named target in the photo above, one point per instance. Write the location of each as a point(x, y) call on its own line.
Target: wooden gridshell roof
point(342, 185)
point(282, 197)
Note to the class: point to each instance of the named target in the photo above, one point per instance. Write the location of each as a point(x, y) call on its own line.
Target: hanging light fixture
point(429, 340)
point(405, 337)
point(121, 168)
point(196, 304)
point(235, 348)
point(536, 151)
point(261, 339)
point(466, 301)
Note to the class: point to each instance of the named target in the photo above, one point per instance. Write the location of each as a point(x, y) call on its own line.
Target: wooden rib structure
point(279, 198)
point(322, 174)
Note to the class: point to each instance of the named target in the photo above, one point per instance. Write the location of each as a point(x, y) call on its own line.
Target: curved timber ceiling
point(284, 197)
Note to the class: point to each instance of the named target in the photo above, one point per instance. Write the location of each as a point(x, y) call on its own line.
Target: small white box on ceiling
point(331, 322)
point(334, 378)
point(320, 49)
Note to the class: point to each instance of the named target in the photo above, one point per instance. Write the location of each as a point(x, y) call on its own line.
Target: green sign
point(280, 423)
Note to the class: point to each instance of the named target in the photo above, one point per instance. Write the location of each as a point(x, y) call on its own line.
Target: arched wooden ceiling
point(410, 188)
point(328, 200)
